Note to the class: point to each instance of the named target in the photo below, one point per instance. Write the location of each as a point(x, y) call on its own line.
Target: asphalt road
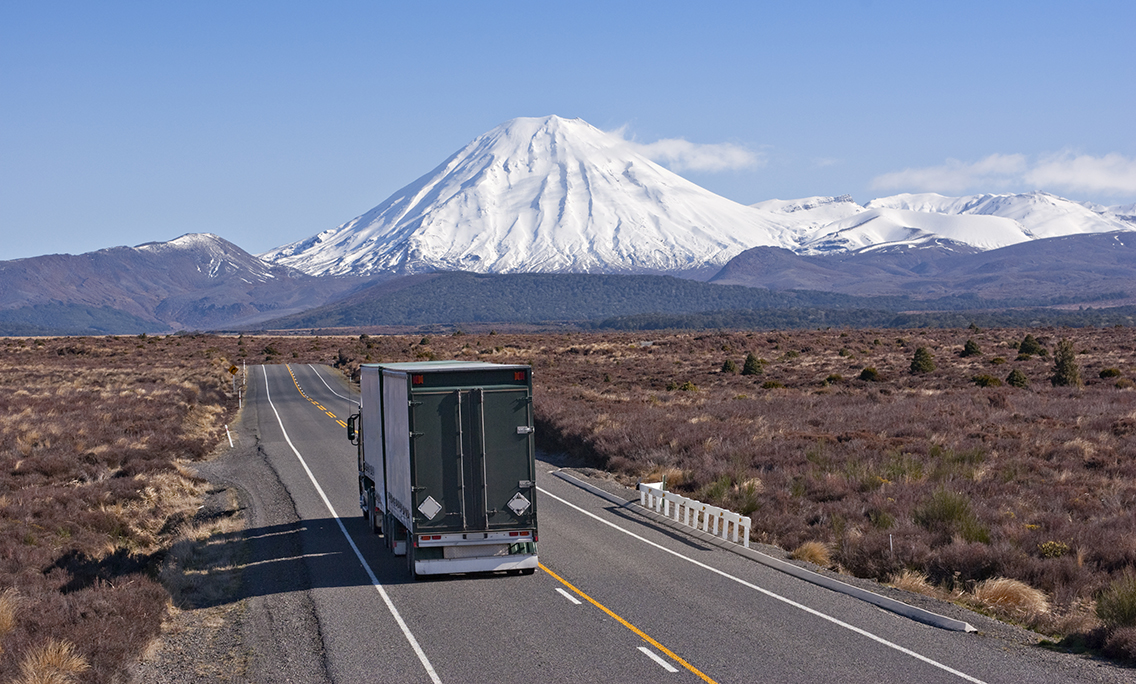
point(618, 598)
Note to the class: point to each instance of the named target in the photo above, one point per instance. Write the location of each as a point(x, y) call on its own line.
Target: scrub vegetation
point(1018, 499)
point(96, 435)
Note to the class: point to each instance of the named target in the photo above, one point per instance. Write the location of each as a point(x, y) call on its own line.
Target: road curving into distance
point(617, 599)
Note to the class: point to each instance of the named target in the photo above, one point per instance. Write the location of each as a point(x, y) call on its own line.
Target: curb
point(889, 604)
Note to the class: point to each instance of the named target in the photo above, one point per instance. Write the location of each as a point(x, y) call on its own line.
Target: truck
point(447, 470)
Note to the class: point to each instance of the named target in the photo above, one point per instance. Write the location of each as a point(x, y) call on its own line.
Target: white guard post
point(717, 521)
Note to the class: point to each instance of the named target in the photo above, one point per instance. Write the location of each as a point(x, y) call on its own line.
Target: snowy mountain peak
point(543, 194)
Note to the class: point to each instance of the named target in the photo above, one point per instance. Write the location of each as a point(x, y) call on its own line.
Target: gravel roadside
point(263, 629)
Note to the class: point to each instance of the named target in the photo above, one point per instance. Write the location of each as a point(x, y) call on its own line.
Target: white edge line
point(658, 659)
point(358, 554)
point(568, 596)
point(329, 386)
point(770, 594)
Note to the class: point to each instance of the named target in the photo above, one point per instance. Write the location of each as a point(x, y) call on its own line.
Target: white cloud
point(1112, 174)
point(681, 155)
point(994, 171)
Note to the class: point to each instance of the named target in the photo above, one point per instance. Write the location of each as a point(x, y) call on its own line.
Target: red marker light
point(519, 376)
point(418, 379)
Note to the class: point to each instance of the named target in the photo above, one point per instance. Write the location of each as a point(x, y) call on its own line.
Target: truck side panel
point(371, 434)
point(396, 446)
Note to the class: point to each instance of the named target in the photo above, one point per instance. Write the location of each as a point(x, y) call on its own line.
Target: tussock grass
point(916, 583)
point(8, 600)
point(55, 662)
point(1010, 597)
point(813, 552)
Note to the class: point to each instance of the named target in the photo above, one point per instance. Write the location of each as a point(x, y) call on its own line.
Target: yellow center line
point(628, 625)
point(640, 633)
point(312, 401)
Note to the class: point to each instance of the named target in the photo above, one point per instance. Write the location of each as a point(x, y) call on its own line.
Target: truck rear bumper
point(446, 566)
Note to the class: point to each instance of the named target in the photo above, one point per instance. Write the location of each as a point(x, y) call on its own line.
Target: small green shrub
point(1018, 379)
point(970, 349)
point(1110, 373)
point(1030, 345)
point(833, 379)
point(728, 366)
point(1066, 373)
point(1116, 607)
point(870, 374)
point(922, 361)
point(997, 361)
point(1053, 549)
point(948, 513)
point(752, 365)
point(986, 381)
point(1125, 383)
point(846, 352)
point(772, 384)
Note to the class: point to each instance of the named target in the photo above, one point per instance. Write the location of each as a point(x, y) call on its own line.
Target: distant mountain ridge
point(557, 196)
point(196, 281)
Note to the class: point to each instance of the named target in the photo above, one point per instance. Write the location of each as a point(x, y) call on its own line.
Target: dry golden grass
point(55, 662)
point(813, 552)
point(1010, 597)
point(916, 583)
point(8, 600)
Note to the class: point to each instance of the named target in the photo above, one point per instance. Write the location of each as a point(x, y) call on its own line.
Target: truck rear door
point(473, 468)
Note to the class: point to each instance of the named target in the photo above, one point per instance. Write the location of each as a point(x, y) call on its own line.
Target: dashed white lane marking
point(770, 594)
point(568, 596)
point(655, 657)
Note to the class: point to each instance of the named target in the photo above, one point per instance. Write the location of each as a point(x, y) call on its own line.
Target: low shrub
point(1110, 373)
point(948, 514)
point(970, 349)
point(772, 384)
point(870, 374)
point(1029, 345)
point(984, 380)
point(1053, 549)
point(922, 361)
point(1121, 644)
point(1018, 379)
point(1116, 606)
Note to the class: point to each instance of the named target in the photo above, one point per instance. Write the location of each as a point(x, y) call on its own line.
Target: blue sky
point(267, 122)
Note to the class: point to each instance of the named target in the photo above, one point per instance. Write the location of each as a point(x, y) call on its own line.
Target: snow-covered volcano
point(541, 195)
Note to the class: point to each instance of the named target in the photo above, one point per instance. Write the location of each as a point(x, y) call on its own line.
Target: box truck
point(447, 470)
